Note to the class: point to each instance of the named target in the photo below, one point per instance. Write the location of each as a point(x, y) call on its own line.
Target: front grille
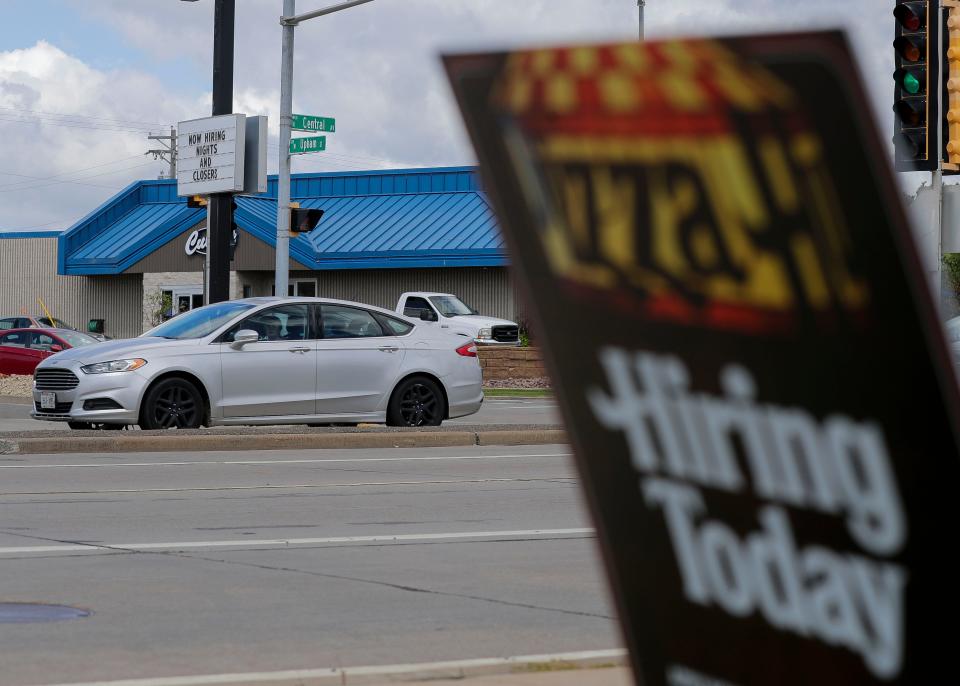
point(55, 380)
point(506, 334)
point(61, 408)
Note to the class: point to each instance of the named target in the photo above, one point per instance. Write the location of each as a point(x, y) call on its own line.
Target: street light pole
point(289, 21)
point(641, 4)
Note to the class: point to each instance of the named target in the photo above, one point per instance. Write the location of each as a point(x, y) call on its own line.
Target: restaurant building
point(140, 256)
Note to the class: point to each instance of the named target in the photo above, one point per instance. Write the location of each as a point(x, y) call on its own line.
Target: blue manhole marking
point(25, 613)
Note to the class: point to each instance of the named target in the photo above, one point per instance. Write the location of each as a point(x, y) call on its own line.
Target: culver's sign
point(197, 242)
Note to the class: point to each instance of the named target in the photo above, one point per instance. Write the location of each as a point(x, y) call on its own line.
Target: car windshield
point(451, 306)
point(76, 339)
point(200, 322)
point(54, 323)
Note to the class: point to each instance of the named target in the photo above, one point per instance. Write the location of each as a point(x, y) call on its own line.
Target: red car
point(22, 349)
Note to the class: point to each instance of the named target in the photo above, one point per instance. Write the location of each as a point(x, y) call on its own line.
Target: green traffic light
point(911, 84)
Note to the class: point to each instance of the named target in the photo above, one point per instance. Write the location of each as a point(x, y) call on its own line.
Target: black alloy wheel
point(172, 404)
point(417, 402)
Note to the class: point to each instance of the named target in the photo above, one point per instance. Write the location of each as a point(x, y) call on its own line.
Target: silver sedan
point(265, 361)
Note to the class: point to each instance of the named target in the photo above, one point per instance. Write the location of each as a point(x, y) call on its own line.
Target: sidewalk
point(603, 676)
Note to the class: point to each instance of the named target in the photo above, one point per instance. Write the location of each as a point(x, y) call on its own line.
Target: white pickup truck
point(449, 312)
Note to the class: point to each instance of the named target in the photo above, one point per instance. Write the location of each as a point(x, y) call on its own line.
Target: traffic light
point(303, 221)
point(917, 90)
point(196, 201)
point(951, 96)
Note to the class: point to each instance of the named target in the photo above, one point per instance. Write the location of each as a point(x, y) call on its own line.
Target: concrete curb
point(390, 674)
point(187, 443)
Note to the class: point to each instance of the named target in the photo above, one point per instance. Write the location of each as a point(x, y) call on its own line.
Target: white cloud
point(59, 115)
point(374, 67)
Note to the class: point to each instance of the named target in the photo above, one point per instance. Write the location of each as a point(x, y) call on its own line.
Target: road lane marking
point(340, 675)
point(288, 486)
point(439, 458)
point(287, 542)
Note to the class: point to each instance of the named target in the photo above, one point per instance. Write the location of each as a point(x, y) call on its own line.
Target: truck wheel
point(417, 401)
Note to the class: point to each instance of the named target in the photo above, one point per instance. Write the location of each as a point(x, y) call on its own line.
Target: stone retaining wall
point(510, 363)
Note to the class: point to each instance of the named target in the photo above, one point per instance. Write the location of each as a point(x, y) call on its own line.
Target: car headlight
point(113, 366)
point(485, 333)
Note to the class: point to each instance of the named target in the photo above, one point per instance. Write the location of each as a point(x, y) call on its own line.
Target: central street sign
point(299, 146)
point(307, 122)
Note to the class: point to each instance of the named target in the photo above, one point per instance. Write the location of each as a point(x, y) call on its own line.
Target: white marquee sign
point(210, 155)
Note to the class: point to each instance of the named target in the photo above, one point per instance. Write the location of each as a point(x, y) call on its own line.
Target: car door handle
point(299, 350)
point(388, 349)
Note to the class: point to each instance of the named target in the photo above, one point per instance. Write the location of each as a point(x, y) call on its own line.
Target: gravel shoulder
point(17, 385)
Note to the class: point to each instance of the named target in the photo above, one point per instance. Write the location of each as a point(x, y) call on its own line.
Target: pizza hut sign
point(197, 242)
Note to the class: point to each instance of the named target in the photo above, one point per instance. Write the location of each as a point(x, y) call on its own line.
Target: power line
point(77, 182)
point(72, 125)
point(35, 226)
point(65, 173)
point(84, 116)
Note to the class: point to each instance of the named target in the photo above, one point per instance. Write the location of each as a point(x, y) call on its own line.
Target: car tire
point(417, 401)
point(172, 404)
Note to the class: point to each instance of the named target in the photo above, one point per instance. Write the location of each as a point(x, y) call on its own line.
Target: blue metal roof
point(372, 219)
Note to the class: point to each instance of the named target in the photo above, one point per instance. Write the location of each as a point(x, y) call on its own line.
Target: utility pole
point(289, 21)
point(168, 152)
point(641, 4)
point(220, 206)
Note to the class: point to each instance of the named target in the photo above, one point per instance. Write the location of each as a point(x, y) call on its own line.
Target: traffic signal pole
point(282, 276)
point(220, 207)
point(289, 21)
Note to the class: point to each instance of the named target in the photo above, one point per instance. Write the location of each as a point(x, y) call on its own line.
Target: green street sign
point(299, 146)
point(306, 122)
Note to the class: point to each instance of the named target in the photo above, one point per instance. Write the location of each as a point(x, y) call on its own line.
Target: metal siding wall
point(487, 289)
point(28, 270)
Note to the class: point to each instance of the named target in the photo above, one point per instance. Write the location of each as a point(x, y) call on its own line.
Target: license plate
point(48, 401)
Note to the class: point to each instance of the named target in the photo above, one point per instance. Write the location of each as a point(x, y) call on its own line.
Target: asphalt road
point(206, 563)
point(494, 411)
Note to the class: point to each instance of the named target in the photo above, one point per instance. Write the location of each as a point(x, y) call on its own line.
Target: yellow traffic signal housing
point(951, 62)
point(196, 201)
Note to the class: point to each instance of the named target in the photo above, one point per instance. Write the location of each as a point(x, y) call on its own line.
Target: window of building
point(306, 288)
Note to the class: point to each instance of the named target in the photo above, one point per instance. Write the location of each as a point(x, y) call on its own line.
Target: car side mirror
point(56, 348)
point(244, 336)
point(428, 315)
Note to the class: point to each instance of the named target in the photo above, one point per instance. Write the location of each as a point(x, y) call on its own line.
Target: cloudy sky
point(83, 82)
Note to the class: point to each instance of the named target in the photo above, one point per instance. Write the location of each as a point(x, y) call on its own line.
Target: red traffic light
point(912, 16)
